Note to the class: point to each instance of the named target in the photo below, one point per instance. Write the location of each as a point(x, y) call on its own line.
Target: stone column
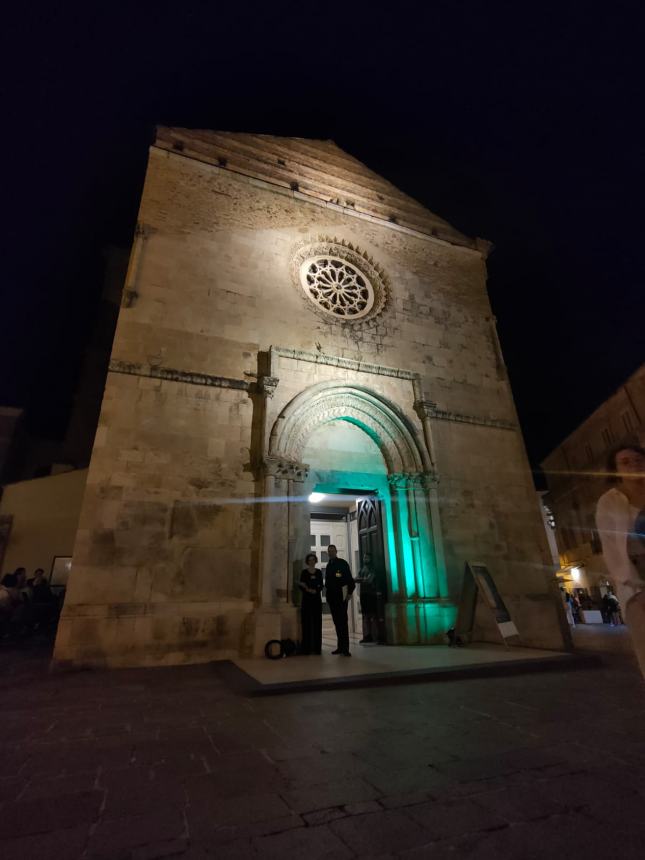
point(272, 621)
point(423, 614)
point(425, 409)
point(422, 533)
point(298, 526)
point(415, 539)
point(398, 497)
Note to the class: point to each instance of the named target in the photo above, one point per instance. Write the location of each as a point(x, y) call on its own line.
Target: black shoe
point(345, 654)
point(367, 639)
point(337, 651)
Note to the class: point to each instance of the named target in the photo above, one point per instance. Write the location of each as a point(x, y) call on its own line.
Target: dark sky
point(522, 123)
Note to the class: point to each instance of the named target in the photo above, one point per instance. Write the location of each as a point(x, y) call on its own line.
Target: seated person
point(44, 604)
point(11, 604)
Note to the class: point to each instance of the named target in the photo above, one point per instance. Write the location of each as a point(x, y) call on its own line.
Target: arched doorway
point(349, 479)
point(418, 608)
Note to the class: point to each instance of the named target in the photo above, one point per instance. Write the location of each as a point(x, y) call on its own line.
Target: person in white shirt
point(618, 515)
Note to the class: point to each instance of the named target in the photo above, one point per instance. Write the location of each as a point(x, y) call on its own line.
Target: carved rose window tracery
point(337, 287)
point(339, 281)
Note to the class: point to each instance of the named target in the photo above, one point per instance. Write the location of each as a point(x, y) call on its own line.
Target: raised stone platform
point(374, 665)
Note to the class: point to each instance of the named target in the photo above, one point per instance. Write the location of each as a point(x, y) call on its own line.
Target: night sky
point(521, 123)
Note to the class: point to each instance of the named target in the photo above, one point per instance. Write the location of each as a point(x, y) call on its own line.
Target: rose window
point(337, 287)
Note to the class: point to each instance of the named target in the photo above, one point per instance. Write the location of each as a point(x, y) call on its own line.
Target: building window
point(548, 513)
point(607, 437)
point(340, 281)
point(337, 287)
point(627, 421)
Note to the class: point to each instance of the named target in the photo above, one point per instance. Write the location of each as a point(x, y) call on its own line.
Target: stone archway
point(419, 611)
point(330, 401)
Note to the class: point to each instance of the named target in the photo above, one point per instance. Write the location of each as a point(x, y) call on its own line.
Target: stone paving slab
point(386, 666)
point(145, 764)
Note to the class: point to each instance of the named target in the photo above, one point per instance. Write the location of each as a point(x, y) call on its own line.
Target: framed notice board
point(479, 581)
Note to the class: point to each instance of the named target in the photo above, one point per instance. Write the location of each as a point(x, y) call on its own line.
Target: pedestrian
point(11, 605)
point(621, 525)
point(8, 600)
point(311, 585)
point(615, 617)
point(568, 607)
point(44, 608)
point(368, 596)
point(339, 587)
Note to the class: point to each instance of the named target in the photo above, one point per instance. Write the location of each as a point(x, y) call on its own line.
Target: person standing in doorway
point(620, 517)
point(311, 585)
point(367, 581)
point(339, 587)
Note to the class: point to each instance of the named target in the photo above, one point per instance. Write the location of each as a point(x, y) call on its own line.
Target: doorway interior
point(352, 521)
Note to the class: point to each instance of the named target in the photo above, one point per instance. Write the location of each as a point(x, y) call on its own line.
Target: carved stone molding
point(332, 401)
point(174, 375)
point(345, 363)
point(280, 467)
point(444, 415)
point(267, 385)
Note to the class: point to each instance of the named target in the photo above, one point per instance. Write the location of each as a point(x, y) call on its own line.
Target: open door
point(370, 540)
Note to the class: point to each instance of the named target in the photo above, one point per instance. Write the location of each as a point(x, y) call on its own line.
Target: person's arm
point(349, 580)
point(613, 519)
point(303, 583)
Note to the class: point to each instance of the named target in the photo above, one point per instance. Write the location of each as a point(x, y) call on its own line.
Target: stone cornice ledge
point(174, 375)
point(444, 415)
point(345, 363)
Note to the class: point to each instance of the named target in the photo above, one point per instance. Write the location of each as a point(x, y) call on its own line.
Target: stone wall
point(168, 556)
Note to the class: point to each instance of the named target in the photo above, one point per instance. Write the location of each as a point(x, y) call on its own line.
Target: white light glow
point(316, 497)
point(575, 574)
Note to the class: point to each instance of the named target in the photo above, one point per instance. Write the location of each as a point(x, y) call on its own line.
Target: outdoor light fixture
point(316, 497)
point(575, 574)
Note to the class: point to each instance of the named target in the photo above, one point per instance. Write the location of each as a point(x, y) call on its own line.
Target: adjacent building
point(576, 473)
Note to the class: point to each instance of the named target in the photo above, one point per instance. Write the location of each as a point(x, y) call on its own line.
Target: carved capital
point(425, 408)
point(279, 467)
point(267, 385)
point(399, 480)
point(412, 480)
point(425, 480)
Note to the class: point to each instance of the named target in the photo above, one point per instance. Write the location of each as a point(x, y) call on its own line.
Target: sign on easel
point(479, 580)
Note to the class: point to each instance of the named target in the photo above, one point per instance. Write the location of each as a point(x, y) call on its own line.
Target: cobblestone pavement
point(155, 763)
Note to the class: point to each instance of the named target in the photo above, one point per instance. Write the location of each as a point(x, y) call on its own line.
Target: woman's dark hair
point(612, 470)
point(310, 555)
point(10, 580)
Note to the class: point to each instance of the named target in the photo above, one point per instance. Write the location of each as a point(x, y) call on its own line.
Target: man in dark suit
point(339, 586)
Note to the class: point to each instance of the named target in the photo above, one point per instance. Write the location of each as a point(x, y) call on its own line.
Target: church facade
point(292, 324)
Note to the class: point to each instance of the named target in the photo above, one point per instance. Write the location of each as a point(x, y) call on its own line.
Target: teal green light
point(361, 482)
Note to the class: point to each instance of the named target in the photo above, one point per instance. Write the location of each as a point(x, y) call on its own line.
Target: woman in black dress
point(311, 584)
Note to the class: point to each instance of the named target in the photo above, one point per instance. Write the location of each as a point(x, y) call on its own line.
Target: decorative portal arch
point(419, 610)
point(329, 401)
